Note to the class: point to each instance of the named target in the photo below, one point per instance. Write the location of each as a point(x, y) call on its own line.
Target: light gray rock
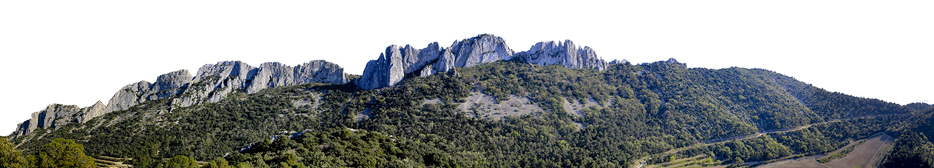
point(168, 85)
point(623, 61)
point(270, 75)
point(98, 109)
point(57, 115)
point(128, 96)
point(479, 50)
point(470, 52)
point(428, 70)
point(397, 62)
point(320, 71)
point(672, 61)
point(445, 61)
point(212, 84)
point(274, 74)
point(565, 54)
point(383, 72)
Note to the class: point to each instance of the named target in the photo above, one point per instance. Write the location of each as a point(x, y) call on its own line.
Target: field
point(696, 161)
point(867, 154)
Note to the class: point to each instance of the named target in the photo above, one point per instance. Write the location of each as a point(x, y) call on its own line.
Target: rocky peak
point(56, 115)
point(385, 71)
point(479, 50)
point(169, 84)
point(398, 62)
point(565, 54)
point(623, 61)
point(212, 83)
point(389, 69)
point(672, 61)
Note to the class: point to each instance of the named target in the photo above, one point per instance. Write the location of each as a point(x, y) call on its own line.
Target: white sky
point(79, 52)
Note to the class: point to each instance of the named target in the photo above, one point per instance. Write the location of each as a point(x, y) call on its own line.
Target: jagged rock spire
point(482, 49)
point(213, 83)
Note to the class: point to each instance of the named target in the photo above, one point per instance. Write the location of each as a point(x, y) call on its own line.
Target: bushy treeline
point(57, 153)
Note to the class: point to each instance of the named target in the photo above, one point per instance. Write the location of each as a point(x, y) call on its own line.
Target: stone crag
point(397, 62)
point(212, 84)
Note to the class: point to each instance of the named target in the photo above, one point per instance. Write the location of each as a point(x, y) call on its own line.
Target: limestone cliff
point(565, 54)
point(212, 84)
point(397, 62)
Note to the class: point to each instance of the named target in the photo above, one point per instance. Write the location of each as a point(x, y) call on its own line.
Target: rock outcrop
point(58, 115)
point(212, 84)
point(623, 61)
point(383, 72)
point(397, 62)
point(565, 54)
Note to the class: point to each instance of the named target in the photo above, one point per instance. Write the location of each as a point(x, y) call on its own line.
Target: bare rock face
point(98, 109)
point(385, 71)
point(565, 54)
point(397, 62)
point(212, 84)
point(128, 96)
point(482, 49)
point(274, 74)
point(168, 85)
point(623, 61)
point(58, 115)
point(320, 71)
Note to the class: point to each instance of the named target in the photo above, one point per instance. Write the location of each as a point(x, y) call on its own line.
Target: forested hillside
point(655, 111)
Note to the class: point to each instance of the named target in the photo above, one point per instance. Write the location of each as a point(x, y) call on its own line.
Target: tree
point(218, 163)
point(181, 161)
point(10, 157)
point(64, 153)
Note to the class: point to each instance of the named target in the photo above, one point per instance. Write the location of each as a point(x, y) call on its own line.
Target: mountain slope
point(644, 109)
point(588, 117)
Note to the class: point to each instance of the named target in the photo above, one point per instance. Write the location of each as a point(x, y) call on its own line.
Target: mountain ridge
point(388, 70)
point(397, 62)
point(206, 87)
point(586, 115)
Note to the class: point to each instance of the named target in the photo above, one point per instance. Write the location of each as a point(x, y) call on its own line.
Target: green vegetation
point(181, 161)
point(912, 149)
point(58, 153)
point(348, 148)
point(642, 110)
point(10, 157)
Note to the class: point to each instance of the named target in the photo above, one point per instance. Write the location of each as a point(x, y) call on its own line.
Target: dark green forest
point(653, 112)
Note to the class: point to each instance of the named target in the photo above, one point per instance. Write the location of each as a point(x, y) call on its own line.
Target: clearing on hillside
point(867, 154)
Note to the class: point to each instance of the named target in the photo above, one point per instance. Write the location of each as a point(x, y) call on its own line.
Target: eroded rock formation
point(397, 62)
point(212, 84)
